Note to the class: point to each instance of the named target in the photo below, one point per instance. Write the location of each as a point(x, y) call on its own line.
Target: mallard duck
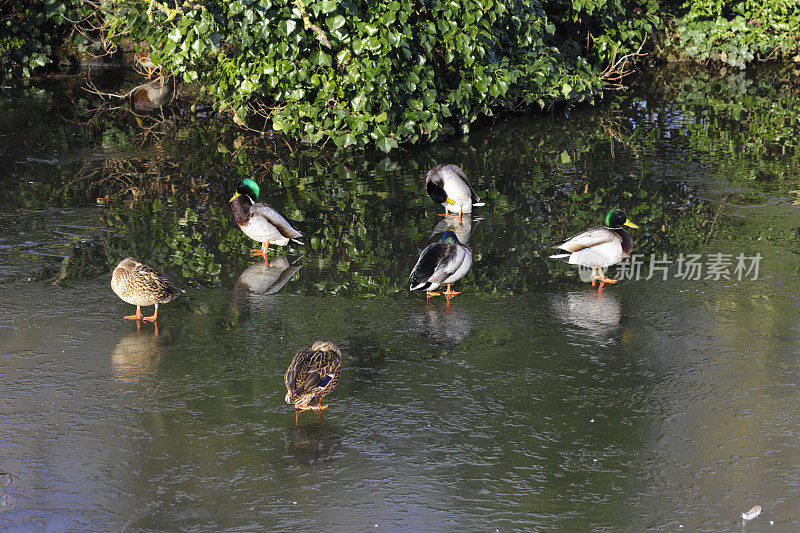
point(600, 247)
point(312, 375)
point(446, 261)
point(140, 285)
point(259, 221)
point(449, 186)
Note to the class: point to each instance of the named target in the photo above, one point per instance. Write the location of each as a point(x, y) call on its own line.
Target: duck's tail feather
point(561, 257)
point(424, 285)
point(479, 204)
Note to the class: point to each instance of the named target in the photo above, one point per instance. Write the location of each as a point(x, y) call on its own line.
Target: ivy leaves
point(378, 73)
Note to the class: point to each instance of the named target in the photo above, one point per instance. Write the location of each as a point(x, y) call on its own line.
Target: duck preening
point(441, 263)
point(448, 185)
point(259, 221)
point(312, 375)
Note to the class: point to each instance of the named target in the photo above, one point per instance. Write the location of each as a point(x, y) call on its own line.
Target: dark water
point(530, 403)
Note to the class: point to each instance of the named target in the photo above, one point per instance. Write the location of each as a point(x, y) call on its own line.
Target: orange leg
point(263, 251)
point(155, 315)
point(603, 281)
point(449, 293)
point(320, 407)
point(137, 316)
point(431, 293)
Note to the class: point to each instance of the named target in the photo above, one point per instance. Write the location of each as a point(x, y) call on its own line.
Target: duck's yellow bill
point(234, 197)
point(450, 201)
point(630, 224)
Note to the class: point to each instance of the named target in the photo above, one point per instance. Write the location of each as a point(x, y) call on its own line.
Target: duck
point(599, 247)
point(259, 221)
point(142, 62)
point(140, 285)
point(443, 262)
point(312, 375)
point(448, 185)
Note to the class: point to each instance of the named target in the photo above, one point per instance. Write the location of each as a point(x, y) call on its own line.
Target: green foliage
point(387, 71)
point(158, 234)
point(735, 33)
point(752, 119)
point(31, 32)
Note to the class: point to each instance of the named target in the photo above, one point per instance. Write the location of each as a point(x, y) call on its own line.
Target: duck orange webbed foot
point(450, 293)
point(137, 316)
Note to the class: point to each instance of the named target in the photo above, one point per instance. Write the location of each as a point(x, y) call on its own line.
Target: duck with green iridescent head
point(259, 221)
point(448, 185)
point(600, 247)
point(441, 263)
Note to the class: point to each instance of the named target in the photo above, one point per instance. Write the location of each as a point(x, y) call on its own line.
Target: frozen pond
point(530, 403)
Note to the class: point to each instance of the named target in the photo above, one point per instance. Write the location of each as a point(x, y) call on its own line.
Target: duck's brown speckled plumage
point(140, 285)
point(312, 374)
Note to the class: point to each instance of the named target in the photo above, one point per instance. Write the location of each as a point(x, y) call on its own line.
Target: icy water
point(530, 403)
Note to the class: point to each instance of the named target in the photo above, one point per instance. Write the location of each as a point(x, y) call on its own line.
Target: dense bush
point(32, 31)
point(737, 32)
point(387, 71)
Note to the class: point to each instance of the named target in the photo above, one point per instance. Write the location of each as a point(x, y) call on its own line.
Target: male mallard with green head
point(259, 221)
point(440, 263)
point(312, 375)
point(140, 285)
point(600, 247)
point(448, 185)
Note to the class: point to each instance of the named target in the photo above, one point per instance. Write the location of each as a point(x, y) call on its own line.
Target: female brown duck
point(312, 375)
point(140, 285)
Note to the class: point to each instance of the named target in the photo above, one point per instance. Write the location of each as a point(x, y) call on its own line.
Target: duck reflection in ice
point(446, 328)
point(589, 311)
point(312, 442)
point(262, 278)
point(461, 227)
point(441, 263)
point(138, 354)
point(152, 95)
point(7, 501)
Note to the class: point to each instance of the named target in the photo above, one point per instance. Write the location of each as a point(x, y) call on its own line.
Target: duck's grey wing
point(428, 262)
point(276, 219)
point(589, 238)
